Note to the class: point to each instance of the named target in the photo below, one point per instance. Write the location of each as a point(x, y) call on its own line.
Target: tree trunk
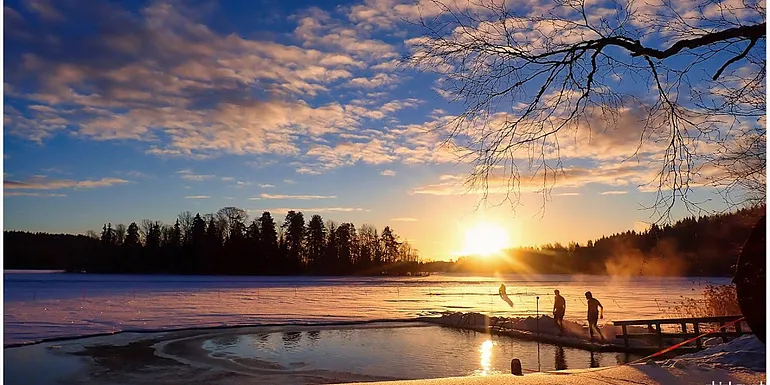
point(750, 279)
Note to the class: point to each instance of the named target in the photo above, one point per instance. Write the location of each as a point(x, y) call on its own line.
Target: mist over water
point(41, 306)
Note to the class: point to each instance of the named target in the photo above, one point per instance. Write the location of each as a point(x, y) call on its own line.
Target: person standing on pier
point(559, 307)
point(593, 315)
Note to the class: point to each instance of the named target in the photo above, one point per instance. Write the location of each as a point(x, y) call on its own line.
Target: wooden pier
point(656, 333)
point(657, 336)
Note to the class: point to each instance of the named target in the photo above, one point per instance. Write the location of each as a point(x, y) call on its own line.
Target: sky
point(118, 111)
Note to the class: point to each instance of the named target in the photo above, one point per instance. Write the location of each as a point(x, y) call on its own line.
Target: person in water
point(559, 307)
point(504, 295)
point(594, 314)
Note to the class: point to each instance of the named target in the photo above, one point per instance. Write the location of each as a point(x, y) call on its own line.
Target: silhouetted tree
point(120, 234)
point(108, 235)
point(186, 221)
point(316, 238)
point(269, 242)
point(213, 245)
point(196, 244)
point(132, 236)
point(253, 253)
point(389, 246)
point(294, 232)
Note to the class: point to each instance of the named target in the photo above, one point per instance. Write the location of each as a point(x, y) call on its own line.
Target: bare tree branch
point(527, 79)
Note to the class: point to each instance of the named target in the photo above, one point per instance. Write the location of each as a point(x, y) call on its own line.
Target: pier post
point(660, 335)
point(625, 336)
point(537, 316)
point(516, 367)
point(698, 342)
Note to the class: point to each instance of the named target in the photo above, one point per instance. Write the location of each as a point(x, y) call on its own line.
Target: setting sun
point(485, 239)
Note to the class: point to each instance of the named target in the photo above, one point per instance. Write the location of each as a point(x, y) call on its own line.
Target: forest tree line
point(223, 243)
point(220, 243)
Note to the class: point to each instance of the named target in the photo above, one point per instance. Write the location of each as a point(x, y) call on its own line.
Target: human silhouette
point(559, 307)
point(593, 315)
point(504, 295)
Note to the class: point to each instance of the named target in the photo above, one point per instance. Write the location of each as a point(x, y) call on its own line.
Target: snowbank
point(746, 353)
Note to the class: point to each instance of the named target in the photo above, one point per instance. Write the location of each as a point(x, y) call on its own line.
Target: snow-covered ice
point(43, 306)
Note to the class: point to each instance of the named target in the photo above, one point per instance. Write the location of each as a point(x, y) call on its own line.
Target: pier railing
point(655, 331)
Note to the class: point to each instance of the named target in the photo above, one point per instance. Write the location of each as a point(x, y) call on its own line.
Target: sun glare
point(485, 239)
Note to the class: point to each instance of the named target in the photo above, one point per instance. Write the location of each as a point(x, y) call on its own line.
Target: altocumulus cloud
point(298, 197)
point(160, 76)
point(31, 194)
point(283, 210)
point(42, 183)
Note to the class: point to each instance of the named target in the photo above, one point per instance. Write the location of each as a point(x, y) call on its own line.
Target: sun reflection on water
point(486, 357)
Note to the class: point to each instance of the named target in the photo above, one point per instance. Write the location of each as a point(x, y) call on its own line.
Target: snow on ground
point(741, 361)
point(744, 353)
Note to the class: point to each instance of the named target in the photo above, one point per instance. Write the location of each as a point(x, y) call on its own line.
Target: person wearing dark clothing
point(594, 314)
point(559, 307)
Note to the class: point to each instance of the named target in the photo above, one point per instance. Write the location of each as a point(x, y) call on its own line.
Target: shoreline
point(429, 274)
point(216, 328)
point(167, 356)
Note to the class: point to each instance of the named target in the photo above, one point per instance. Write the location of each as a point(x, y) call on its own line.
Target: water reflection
point(560, 360)
point(291, 339)
point(594, 362)
point(486, 357)
point(376, 351)
point(313, 335)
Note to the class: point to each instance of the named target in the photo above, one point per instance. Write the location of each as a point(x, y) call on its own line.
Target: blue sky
point(114, 112)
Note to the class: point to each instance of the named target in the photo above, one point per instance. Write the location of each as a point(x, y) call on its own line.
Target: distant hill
point(694, 246)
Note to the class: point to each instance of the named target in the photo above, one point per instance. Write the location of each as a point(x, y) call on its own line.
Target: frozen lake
point(48, 305)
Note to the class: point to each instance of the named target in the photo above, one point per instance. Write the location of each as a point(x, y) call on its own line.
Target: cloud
point(228, 179)
point(44, 9)
point(282, 210)
point(378, 80)
point(388, 173)
point(404, 219)
point(42, 183)
point(316, 28)
point(53, 170)
point(137, 174)
point(162, 77)
point(614, 192)
point(197, 197)
point(297, 197)
point(165, 79)
point(266, 185)
point(30, 194)
point(289, 181)
point(188, 174)
point(375, 151)
point(566, 194)
point(609, 174)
